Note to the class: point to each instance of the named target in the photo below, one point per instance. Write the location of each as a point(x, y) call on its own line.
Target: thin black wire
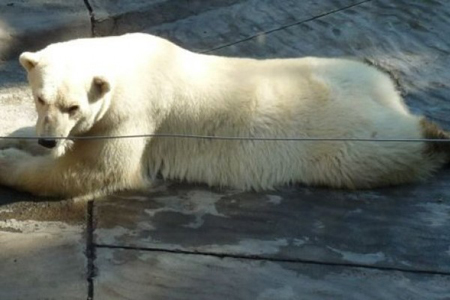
point(296, 23)
point(230, 138)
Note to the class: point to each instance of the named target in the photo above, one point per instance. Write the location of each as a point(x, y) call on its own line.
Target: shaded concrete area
point(256, 20)
point(119, 17)
point(182, 241)
point(30, 24)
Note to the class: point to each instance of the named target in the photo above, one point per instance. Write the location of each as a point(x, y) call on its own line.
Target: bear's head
point(70, 97)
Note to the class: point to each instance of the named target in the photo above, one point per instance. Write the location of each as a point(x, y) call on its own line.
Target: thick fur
point(138, 84)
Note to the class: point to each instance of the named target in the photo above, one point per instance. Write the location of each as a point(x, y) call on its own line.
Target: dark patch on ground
point(67, 211)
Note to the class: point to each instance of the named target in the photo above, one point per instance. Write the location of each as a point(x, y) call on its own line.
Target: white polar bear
point(142, 84)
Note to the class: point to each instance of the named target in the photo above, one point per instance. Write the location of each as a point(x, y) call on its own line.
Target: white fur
point(138, 84)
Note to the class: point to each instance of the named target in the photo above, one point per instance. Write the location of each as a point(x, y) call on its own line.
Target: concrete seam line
point(274, 259)
point(90, 251)
point(91, 15)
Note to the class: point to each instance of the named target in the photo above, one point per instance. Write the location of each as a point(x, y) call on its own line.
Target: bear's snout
point(47, 143)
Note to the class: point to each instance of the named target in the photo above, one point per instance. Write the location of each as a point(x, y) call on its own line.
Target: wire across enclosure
point(229, 138)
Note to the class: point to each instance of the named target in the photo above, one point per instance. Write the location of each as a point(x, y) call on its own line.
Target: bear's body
point(141, 84)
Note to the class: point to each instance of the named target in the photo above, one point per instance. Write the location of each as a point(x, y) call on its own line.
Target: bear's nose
point(47, 143)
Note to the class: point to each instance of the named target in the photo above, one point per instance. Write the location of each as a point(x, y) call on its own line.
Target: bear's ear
point(101, 84)
point(29, 60)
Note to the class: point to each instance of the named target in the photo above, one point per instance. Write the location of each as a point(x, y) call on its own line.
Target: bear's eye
point(40, 100)
point(73, 109)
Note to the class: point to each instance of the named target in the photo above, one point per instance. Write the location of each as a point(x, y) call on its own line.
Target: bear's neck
point(190, 94)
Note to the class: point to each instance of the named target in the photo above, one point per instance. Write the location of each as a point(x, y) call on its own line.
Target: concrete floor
point(191, 242)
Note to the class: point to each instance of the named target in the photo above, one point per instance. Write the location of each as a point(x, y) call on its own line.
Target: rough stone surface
point(118, 17)
point(244, 21)
point(32, 24)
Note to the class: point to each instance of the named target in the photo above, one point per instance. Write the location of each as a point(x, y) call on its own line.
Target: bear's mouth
point(58, 147)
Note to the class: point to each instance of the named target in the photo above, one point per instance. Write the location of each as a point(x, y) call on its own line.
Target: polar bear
point(142, 84)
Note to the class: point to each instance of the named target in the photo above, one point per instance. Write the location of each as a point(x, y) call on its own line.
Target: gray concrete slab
point(32, 24)
point(402, 227)
point(130, 274)
point(41, 259)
